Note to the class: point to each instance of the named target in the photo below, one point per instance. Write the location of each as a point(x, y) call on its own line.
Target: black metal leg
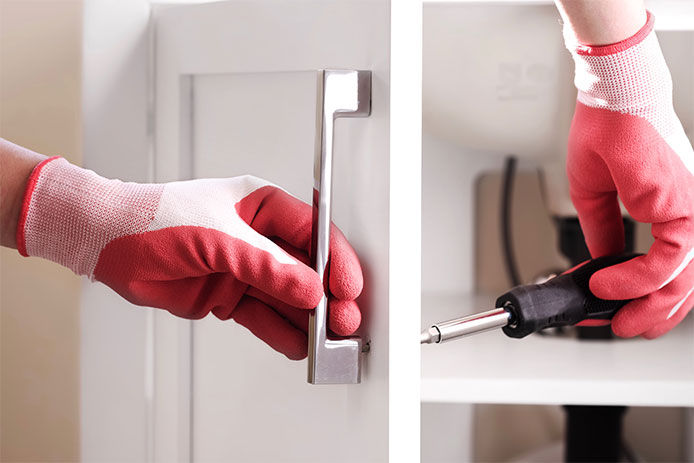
point(593, 433)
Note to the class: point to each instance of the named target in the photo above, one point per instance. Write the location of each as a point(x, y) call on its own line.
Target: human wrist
point(11, 205)
point(599, 23)
point(17, 165)
point(577, 45)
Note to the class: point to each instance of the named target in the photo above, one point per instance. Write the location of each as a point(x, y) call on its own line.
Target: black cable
point(506, 238)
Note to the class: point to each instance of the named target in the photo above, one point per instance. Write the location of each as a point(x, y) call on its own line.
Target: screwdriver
point(563, 300)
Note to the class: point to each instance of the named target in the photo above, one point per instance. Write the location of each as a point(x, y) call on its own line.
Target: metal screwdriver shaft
point(465, 326)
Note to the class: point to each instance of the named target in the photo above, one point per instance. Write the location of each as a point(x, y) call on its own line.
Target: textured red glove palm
point(235, 247)
point(626, 141)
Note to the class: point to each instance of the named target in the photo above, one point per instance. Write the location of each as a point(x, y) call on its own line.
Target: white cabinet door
point(235, 93)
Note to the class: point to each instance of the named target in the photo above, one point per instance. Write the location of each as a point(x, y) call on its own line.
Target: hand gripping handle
point(563, 300)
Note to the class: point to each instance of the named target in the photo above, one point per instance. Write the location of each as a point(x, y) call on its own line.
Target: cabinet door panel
point(255, 123)
point(236, 94)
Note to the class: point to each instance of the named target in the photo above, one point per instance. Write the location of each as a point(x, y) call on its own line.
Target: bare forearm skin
point(603, 22)
point(16, 164)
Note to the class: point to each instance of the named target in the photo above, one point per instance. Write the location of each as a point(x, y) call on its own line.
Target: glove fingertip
point(297, 353)
point(623, 330)
point(346, 285)
point(346, 277)
point(602, 285)
point(308, 292)
point(345, 317)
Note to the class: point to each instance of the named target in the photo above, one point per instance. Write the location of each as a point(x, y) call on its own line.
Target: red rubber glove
point(626, 141)
point(235, 247)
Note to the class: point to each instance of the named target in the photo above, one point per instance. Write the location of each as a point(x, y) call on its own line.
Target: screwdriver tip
point(429, 336)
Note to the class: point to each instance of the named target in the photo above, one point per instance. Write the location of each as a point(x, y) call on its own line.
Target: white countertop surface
point(492, 368)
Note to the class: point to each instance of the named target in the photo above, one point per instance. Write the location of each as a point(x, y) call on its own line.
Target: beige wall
point(40, 67)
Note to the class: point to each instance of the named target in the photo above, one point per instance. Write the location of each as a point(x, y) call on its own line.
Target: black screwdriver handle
point(563, 300)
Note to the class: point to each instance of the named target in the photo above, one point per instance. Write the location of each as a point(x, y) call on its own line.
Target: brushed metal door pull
point(341, 93)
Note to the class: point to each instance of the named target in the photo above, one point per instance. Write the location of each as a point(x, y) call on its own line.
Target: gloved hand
point(626, 141)
point(235, 247)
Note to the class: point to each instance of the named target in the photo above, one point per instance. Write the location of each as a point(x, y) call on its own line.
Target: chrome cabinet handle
point(341, 93)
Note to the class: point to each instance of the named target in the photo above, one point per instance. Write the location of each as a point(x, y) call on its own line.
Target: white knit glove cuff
point(69, 214)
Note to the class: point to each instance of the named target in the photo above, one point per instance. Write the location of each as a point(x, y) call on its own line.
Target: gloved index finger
point(290, 219)
point(290, 281)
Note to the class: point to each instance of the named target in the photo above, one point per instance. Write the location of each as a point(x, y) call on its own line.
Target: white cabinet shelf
point(492, 368)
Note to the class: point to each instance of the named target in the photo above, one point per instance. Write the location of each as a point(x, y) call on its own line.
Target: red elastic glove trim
point(603, 50)
point(28, 192)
